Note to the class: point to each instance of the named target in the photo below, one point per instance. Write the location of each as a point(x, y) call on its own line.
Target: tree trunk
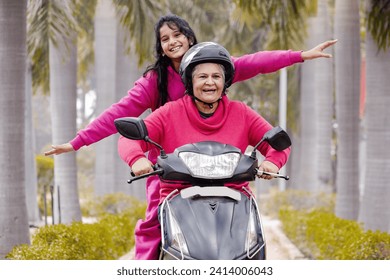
point(374, 211)
point(13, 210)
point(105, 48)
point(347, 74)
point(308, 163)
point(127, 72)
point(63, 96)
point(323, 102)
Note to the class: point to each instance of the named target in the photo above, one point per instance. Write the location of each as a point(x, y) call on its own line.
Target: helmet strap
point(211, 105)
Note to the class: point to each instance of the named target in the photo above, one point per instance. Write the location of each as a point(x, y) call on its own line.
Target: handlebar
point(155, 172)
point(158, 171)
point(275, 175)
point(155, 167)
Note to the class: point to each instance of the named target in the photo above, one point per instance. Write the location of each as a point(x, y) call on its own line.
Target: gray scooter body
point(214, 227)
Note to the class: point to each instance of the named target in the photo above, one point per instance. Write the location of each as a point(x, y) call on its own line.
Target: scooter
point(208, 220)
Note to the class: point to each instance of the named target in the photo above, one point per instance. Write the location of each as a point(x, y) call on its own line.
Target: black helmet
point(203, 53)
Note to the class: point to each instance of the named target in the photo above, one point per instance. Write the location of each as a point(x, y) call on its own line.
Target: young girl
point(162, 83)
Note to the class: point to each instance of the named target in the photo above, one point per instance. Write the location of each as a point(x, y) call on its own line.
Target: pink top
point(144, 94)
point(178, 123)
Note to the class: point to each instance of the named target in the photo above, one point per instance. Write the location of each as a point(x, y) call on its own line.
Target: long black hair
point(162, 61)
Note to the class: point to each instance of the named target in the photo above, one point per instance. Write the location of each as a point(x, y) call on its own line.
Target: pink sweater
point(178, 123)
point(144, 94)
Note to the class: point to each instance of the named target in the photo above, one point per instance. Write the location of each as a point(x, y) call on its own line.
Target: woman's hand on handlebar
point(268, 166)
point(60, 149)
point(142, 166)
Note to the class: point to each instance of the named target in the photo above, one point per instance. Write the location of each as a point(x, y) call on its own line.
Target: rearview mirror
point(277, 138)
point(132, 128)
point(135, 129)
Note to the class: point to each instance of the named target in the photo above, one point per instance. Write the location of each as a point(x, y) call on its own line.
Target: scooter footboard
point(211, 225)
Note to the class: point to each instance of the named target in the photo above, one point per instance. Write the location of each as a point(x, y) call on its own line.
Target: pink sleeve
point(130, 150)
point(259, 126)
point(142, 96)
point(279, 158)
point(250, 65)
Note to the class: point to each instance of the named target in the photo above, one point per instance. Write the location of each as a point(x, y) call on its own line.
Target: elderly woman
point(205, 113)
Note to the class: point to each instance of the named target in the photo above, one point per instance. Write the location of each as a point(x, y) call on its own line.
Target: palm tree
point(374, 207)
point(285, 20)
point(63, 108)
point(128, 72)
point(37, 81)
point(308, 119)
point(347, 82)
point(105, 60)
point(110, 42)
point(30, 164)
point(13, 210)
point(314, 142)
point(138, 18)
point(376, 196)
point(323, 91)
point(55, 22)
point(63, 89)
point(277, 25)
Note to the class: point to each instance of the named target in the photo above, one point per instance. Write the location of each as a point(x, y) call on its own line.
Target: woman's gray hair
point(220, 65)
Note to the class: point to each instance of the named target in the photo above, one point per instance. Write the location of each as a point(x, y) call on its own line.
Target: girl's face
point(208, 80)
point(174, 43)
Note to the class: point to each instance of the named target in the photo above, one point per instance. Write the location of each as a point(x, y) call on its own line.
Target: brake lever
point(275, 175)
point(155, 172)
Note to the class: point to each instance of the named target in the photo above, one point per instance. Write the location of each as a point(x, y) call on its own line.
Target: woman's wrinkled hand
point(142, 166)
point(59, 149)
point(267, 166)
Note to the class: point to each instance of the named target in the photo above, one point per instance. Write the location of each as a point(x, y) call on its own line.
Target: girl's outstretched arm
point(318, 51)
point(263, 62)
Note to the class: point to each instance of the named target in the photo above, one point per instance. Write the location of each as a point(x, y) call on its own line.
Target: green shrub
point(109, 238)
point(309, 221)
point(61, 242)
point(322, 235)
point(295, 199)
point(45, 170)
point(113, 203)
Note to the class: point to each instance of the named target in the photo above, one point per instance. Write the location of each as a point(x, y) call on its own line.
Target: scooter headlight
point(214, 167)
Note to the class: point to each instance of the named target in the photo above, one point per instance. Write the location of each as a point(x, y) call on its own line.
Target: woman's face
point(208, 80)
point(174, 43)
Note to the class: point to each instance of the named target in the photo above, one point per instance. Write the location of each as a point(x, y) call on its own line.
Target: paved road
point(279, 247)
